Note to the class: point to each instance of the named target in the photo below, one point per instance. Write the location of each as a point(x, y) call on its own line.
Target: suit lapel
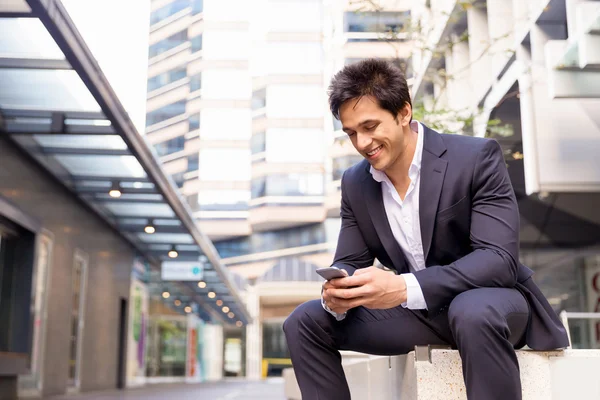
point(433, 170)
point(376, 208)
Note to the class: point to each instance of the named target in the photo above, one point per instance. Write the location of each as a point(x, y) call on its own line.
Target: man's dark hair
point(371, 77)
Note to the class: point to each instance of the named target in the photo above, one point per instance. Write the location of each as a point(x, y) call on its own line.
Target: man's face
point(374, 132)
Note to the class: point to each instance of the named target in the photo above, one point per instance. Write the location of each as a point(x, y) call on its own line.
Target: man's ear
point(405, 115)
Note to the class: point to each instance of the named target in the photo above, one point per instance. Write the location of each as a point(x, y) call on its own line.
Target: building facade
point(526, 74)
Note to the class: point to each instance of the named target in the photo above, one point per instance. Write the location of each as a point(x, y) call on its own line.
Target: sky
point(116, 31)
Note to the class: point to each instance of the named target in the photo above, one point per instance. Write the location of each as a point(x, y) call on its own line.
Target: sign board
point(182, 271)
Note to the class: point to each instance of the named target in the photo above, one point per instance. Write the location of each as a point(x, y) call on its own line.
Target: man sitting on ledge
point(441, 212)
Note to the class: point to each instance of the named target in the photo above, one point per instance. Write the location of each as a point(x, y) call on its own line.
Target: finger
point(353, 281)
point(349, 293)
point(362, 271)
point(328, 285)
point(347, 304)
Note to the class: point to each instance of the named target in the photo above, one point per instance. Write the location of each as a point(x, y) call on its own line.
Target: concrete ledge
point(427, 374)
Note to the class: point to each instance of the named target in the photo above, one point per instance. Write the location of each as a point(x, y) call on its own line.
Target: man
point(440, 211)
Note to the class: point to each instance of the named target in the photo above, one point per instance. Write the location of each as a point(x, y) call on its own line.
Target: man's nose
point(363, 141)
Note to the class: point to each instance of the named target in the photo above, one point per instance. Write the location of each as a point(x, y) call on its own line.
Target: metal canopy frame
point(92, 146)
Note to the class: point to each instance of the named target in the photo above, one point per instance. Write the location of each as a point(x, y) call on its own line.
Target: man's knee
point(469, 314)
point(310, 313)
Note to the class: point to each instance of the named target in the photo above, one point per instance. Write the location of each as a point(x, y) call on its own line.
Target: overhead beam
point(84, 152)
point(93, 178)
point(92, 190)
point(34, 63)
point(159, 228)
point(29, 113)
point(29, 128)
point(16, 14)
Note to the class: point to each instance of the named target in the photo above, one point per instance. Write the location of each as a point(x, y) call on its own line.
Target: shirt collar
point(415, 165)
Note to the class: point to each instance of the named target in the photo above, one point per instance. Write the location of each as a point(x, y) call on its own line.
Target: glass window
point(340, 164)
point(194, 122)
point(166, 77)
point(167, 44)
point(170, 146)
point(195, 82)
point(168, 10)
point(228, 10)
point(178, 179)
point(196, 42)
point(295, 101)
point(224, 164)
point(224, 200)
point(293, 57)
point(166, 112)
point(286, 145)
point(167, 346)
point(259, 99)
point(376, 21)
point(197, 6)
point(193, 162)
point(288, 185)
point(226, 124)
point(274, 344)
point(78, 293)
point(258, 142)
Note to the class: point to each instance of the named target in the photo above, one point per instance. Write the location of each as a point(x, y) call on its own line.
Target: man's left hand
point(369, 287)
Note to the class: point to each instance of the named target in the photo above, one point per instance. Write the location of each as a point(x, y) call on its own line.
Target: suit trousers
point(485, 325)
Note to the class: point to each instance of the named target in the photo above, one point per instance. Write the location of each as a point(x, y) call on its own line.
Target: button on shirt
point(403, 216)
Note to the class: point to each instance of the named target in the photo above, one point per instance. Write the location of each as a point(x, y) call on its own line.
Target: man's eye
point(370, 128)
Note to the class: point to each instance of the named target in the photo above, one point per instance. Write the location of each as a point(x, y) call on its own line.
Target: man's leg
point(486, 324)
point(314, 338)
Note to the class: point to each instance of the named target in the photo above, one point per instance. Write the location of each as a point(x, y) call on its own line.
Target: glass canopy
point(57, 105)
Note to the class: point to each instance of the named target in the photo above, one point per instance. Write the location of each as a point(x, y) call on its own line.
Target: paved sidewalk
point(271, 389)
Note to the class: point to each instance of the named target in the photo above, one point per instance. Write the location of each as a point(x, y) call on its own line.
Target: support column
point(462, 93)
point(500, 26)
point(213, 340)
point(253, 336)
point(479, 51)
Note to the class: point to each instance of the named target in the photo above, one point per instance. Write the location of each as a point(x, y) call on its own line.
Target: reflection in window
point(167, 344)
point(167, 44)
point(165, 78)
point(170, 146)
point(196, 43)
point(166, 112)
point(288, 185)
point(224, 200)
point(195, 82)
point(258, 142)
point(170, 9)
point(340, 164)
point(375, 21)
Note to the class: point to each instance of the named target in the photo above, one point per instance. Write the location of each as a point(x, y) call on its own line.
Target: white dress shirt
point(403, 216)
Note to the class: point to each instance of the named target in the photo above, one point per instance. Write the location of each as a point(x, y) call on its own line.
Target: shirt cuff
point(337, 316)
point(414, 294)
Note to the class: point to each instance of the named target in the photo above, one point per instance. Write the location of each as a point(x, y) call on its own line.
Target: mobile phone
point(332, 273)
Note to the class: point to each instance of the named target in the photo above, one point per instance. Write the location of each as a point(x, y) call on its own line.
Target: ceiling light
point(211, 295)
point(115, 190)
point(173, 252)
point(177, 303)
point(225, 309)
point(231, 315)
point(166, 295)
point(188, 309)
point(201, 285)
point(219, 303)
point(150, 227)
point(238, 324)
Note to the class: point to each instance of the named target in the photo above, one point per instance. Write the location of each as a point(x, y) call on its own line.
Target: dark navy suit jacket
point(469, 227)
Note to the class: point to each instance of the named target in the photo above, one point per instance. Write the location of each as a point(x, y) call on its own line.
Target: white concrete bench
point(431, 374)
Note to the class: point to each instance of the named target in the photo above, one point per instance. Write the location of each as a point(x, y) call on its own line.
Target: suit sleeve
point(351, 251)
point(493, 261)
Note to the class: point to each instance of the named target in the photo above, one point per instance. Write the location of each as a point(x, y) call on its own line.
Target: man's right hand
point(330, 301)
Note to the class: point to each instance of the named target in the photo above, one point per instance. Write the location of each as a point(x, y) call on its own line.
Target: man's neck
point(398, 172)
